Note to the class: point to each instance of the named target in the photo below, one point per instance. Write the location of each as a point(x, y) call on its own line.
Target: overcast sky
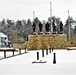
point(23, 9)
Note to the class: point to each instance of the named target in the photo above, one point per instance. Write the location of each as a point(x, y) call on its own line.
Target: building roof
point(2, 35)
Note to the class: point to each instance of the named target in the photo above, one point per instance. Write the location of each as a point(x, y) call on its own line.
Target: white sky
point(23, 9)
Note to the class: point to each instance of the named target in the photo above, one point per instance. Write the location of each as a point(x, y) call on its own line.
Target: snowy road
point(66, 63)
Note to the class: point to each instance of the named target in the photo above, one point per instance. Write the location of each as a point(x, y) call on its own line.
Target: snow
point(5, 48)
point(71, 48)
point(22, 64)
point(2, 35)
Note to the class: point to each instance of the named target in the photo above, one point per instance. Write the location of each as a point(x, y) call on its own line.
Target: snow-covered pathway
point(65, 63)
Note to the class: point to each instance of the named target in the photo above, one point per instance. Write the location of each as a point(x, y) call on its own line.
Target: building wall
point(3, 41)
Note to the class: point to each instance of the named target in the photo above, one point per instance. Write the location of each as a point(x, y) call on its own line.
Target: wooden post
point(13, 52)
point(46, 51)
point(42, 53)
point(52, 49)
point(4, 54)
point(37, 55)
point(54, 59)
point(49, 50)
point(25, 50)
point(19, 51)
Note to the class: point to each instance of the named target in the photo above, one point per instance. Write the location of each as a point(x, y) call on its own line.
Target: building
point(3, 40)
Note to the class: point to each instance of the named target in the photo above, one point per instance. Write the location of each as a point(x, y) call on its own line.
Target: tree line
point(18, 31)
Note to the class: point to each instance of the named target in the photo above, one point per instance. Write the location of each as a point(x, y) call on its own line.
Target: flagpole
point(69, 30)
point(33, 15)
point(51, 28)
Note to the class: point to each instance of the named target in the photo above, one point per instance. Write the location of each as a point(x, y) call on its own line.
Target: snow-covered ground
point(22, 64)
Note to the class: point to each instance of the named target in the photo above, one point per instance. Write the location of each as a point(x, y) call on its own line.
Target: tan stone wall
point(42, 42)
point(38, 42)
point(20, 46)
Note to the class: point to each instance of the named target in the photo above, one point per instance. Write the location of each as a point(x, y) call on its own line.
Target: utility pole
point(51, 27)
point(69, 28)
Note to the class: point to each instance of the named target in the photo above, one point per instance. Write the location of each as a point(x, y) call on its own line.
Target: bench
point(7, 50)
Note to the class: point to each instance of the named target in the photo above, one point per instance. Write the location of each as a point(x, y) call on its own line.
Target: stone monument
point(47, 28)
point(61, 27)
point(40, 28)
point(34, 27)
